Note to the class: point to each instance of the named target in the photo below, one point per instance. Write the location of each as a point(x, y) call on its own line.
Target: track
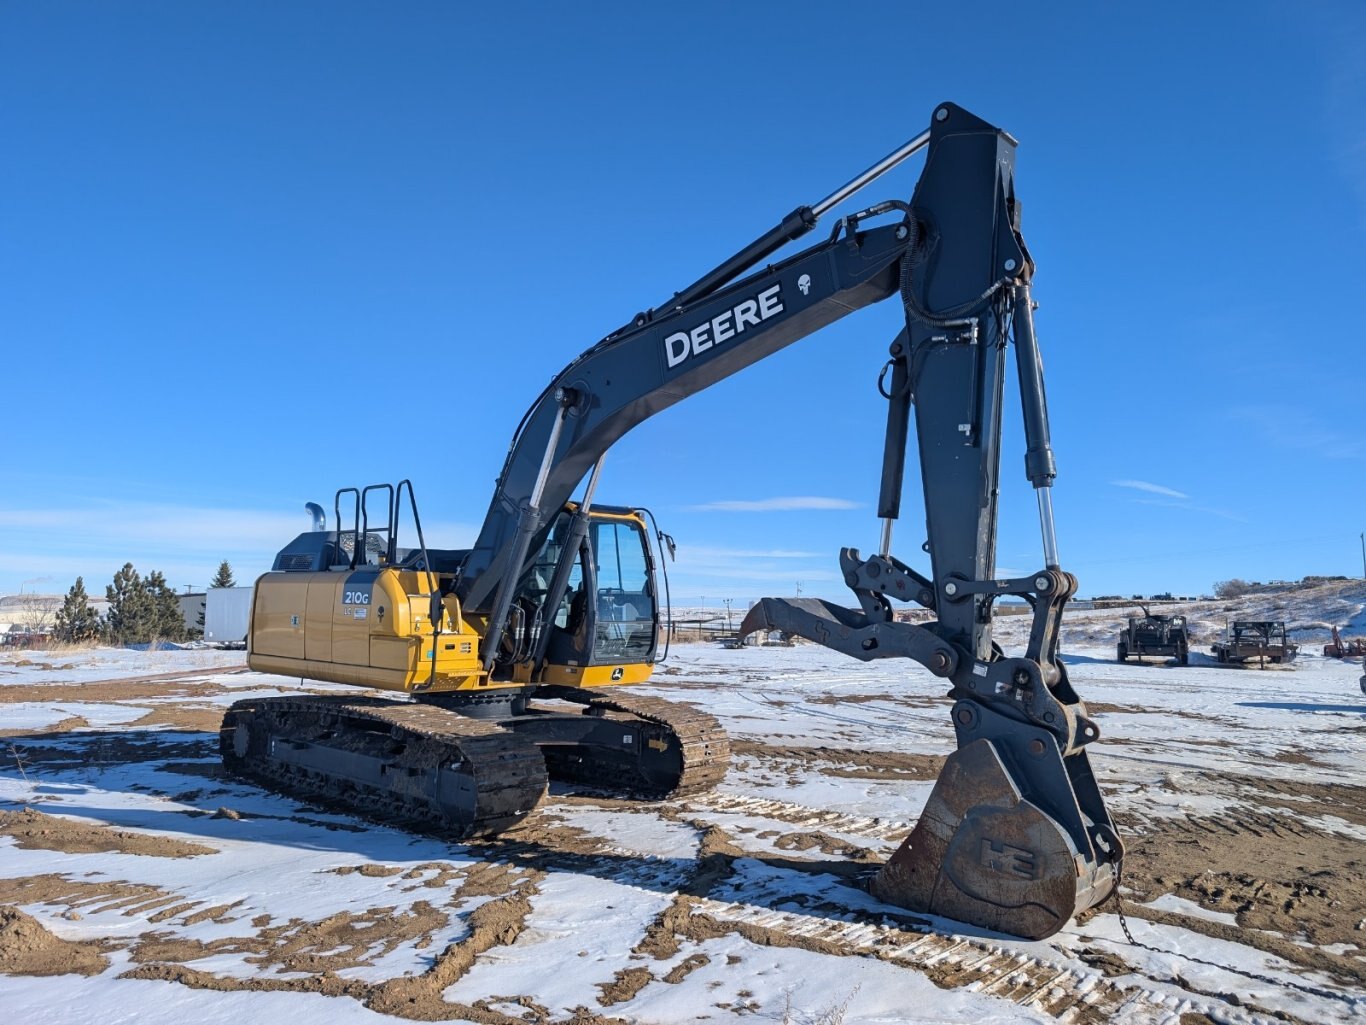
point(429, 769)
point(696, 740)
point(411, 765)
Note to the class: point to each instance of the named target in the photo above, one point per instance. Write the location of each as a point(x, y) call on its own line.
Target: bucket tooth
point(983, 854)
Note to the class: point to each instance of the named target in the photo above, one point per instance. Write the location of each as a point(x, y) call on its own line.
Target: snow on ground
point(747, 903)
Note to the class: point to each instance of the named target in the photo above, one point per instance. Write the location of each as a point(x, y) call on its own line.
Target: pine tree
point(131, 615)
point(167, 622)
point(76, 620)
point(223, 578)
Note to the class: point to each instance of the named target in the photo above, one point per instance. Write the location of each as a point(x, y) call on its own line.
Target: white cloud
point(1221, 513)
point(1143, 485)
point(1296, 430)
point(781, 504)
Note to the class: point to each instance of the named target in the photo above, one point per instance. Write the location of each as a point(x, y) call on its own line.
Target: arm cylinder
point(1039, 465)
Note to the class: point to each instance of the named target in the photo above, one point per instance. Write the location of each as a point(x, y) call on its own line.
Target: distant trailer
point(1255, 641)
point(1150, 634)
point(227, 614)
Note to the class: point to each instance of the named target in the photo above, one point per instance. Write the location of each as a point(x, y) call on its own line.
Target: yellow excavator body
point(327, 626)
point(371, 626)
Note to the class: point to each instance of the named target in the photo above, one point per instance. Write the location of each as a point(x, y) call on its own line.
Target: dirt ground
point(1294, 880)
point(1293, 890)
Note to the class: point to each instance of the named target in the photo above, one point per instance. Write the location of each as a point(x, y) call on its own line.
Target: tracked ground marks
point(1268, 869)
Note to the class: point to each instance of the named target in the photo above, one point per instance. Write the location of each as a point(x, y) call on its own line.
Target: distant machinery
point(1255, 640)
point(1352, 648)
point(1150, 635)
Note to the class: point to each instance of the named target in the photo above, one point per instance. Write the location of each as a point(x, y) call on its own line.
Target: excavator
point(510, 663)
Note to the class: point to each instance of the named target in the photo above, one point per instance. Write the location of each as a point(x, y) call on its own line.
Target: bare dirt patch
point(864, 699)
point(826, 844)
point(847, 763)
point(319, 948)
point(686, 967)
point(624, 986)
point(47, 667)
point(417, 997)
point(340, 941)
point(192, 718)
point(77, 895)
point(1270, 870)
point(368, 870)
point(1303, 797)
point(32, 829)
point(158, 687)
point(28, 948)
point(1104, 708)
point(65, 725)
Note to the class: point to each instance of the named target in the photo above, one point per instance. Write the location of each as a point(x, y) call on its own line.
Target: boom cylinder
point(569, 554)
point(792, 227)
point(527, 524)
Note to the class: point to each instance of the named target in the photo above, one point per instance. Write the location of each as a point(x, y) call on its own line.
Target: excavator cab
point(603, 628)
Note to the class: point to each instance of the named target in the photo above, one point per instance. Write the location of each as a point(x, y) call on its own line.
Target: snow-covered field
point(166, 892)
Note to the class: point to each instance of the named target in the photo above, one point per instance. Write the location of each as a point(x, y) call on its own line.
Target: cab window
point(625, 599)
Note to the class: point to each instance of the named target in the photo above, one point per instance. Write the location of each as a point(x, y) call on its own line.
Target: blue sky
point(253, 252)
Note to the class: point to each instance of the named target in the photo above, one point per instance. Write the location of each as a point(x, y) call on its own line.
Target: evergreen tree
point(223, 578)
point(76, 620)
point(167, 622)
point(131, 615)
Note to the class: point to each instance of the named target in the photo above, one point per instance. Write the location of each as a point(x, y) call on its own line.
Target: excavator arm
point(1015, 836)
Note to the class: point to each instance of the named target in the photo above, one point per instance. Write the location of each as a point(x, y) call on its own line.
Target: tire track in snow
point(1045, 979)
point(799, 815)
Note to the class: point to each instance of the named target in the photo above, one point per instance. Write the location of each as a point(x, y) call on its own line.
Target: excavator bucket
point(983, 853)
point(1015, 837)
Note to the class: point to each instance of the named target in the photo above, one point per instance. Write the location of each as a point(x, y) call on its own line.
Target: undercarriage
point(441, 770)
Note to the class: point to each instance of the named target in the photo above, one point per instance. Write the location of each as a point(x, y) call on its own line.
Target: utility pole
point(1363, 554)
point(727, 602)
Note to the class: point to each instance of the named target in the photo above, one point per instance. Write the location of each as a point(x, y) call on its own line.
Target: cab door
point(626, 611)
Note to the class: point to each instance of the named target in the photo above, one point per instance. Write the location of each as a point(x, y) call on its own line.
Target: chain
point(1124, 924)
